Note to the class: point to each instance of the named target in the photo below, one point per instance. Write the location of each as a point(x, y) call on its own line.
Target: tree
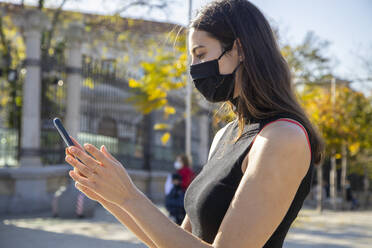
point(149, 5)
point(164, 73)
point(13, 52)
point(345, 125)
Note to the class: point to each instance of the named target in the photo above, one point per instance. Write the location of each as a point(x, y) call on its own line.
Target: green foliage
point(12, 52)
point(308, 61)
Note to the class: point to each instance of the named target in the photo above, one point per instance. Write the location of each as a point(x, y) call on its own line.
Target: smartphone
point(62, 131)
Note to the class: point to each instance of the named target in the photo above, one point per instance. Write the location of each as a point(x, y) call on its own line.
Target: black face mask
point(215, 87)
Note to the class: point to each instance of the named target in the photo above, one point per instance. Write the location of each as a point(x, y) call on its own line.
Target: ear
point(238, 47)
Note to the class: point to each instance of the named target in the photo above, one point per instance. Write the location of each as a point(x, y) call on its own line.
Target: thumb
point(104, 150)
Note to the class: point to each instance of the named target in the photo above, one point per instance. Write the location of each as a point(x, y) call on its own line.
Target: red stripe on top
point(289, 120)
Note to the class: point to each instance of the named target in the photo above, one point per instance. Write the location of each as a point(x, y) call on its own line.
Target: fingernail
point(72, 149)
point(68, 158)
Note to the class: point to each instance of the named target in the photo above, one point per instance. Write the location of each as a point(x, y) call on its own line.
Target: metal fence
point(106, 119)
point(8, 147)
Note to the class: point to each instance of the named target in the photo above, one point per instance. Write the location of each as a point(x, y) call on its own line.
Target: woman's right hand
point(90, 194)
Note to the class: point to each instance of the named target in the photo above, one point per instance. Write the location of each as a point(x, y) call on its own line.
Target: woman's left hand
point(104, 175)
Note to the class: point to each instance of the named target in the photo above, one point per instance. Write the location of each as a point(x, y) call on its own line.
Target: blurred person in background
point(183, 167)
point(174, 200)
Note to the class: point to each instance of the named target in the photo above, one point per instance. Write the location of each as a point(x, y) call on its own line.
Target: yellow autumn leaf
point(165, 138)
point(169, 110)
point(133, 83)
point(161, 126)
point(122, 37)
point(354, 148)
point(88, 82)
point(157, 93)
point(18, 101)
point(4, 101)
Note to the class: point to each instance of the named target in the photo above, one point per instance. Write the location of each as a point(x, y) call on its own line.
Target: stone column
point(204, 138)
point(74, 79)
point(30, 190)
point(34, 21)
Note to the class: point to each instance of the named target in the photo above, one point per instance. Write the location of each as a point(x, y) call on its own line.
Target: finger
point(97, 154)
point(84, 157)
point(88, 192)
point(78, 172)
point(78, 186)
point(82, 180)
point(106, 152)
point(75, 169)
point(81, 187)
point(67, 151)
point(77, 144)
point(85, 171)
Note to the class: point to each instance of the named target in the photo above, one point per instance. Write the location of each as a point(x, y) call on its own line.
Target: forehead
point(201, 38)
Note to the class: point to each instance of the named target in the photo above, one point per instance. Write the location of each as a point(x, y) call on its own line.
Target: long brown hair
point(266, 85)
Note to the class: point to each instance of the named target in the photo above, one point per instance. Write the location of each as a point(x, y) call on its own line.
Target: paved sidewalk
point(329, 230)
point(44, 231)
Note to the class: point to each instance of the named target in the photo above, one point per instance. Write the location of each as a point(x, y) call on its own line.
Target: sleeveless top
point(209, 195)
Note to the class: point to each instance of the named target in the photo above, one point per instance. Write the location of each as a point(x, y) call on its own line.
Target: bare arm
point(127, 220)
point(115, 210)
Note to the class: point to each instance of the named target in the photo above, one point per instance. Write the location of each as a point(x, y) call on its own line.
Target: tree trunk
point(344, 173)
point(366, 187)
point(320, 189)
point(147, 150)
point(333, 182)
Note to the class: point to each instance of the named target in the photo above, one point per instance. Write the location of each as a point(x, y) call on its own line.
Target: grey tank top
point(209, 195)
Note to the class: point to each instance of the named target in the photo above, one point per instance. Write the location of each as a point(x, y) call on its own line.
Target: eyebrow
point(196, 47)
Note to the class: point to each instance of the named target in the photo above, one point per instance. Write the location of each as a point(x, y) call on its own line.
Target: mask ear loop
point(223, 53)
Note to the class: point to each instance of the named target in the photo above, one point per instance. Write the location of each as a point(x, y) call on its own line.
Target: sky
point(346, 24)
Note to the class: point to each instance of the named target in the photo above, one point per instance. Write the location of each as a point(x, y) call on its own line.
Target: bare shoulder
point(285, 141)
point(284, 129)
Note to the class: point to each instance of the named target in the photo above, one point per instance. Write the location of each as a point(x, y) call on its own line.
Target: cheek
point(226, 65)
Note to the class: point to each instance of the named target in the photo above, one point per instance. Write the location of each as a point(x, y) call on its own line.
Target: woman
point(260, 165)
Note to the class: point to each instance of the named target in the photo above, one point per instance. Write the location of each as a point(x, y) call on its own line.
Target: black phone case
point(62, 131)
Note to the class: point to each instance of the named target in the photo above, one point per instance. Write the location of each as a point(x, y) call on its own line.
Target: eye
point(199, 56)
